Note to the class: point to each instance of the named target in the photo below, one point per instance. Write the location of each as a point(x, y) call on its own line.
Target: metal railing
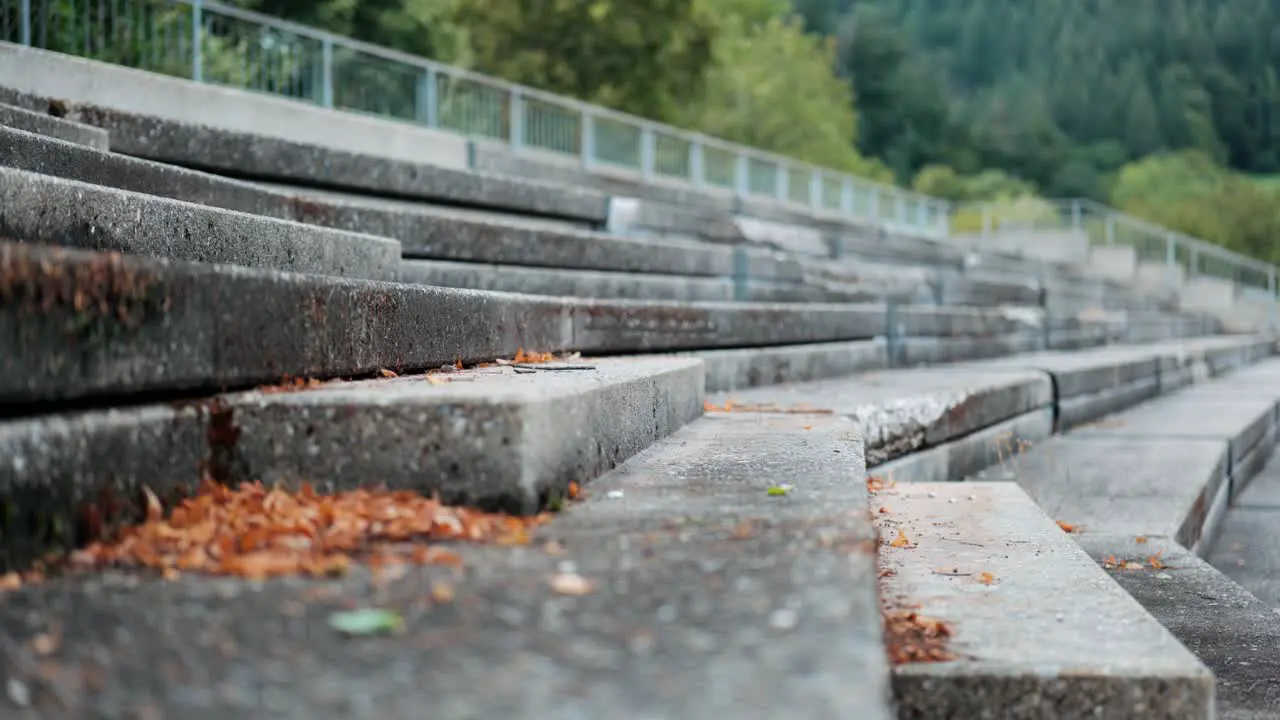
point(211, 42)
point(1181, 255)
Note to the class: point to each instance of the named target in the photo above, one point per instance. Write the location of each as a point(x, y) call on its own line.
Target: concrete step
point(50, 126)
point(76, 324)
point(48, 209)
point(496, 438)
point(704, 596)
point(937, 423)
point(209, 145)
point(1247, 549)
point(1036, 629)
point(424, 231)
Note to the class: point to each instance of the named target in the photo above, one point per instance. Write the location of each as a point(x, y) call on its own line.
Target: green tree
point(647, 58)
point(773, 87)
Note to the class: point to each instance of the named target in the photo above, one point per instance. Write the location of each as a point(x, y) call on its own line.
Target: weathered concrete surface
point(572, 283)
point(1231, 631)
point(44, 124)
point(913, 351)
point(74, 324)
point(27, 151)
point(43, 208)
point(735, 369)
point(249, 153)
point(905, 411)
point(705, 593)
point(1172, 487)
point(490, 437)
point(1245, 424)
point(32, 77)
point(988, 450)
point(1033, 638)
point(1247, 549)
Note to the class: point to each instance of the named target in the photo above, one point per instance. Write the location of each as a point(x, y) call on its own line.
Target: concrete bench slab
point(491, 438)
point(48, 209)
point(1232, 632)
point(1154, 487)
point(904, 411)
point(75, 324)
point(48, 125)
point(1029, 634)
point(684, 618)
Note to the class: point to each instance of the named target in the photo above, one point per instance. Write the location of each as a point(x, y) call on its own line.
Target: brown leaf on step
point(575, 491)
point(888, 572)
point(1110, 562)
point(986, 578)
point(1141, 539)
point(524, 358)
point(1066, 526)
point(883, 510)
point(901, 540)
point(808, 427)
point(570, 584)
point(876, 484)
point(255, 532)
point(442, 593)
point(388, 373)
point(913, 638)
point(1155, 562)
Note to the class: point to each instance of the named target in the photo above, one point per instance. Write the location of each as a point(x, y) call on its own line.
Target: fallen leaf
point(389, 373)
point(1141, 539)
point(370, 621)
point(986, 578)
point(1066, 527)
point(442, 593)
point(901, 540)
point(808, 427)
point(575, 491)
point(776, 491)
point(884, 510)
point(1155, 562)
point(570, 584)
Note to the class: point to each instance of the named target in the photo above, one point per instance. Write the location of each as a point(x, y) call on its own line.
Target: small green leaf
point(368, 621)
point(777, 490)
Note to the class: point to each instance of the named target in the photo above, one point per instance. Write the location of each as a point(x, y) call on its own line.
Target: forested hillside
point(1167, 108)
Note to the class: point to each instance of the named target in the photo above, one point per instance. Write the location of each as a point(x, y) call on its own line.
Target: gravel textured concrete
point(75, 324)
point(487, 437)
point(1171, 488)
point(709, 598)
point(736, 369)
point(48, 156)
point(905, 411)
point(1028, 636)
point(560, 282)
point(48, 125)
point(1232, 632)
point(44, 208)
point(246, 154)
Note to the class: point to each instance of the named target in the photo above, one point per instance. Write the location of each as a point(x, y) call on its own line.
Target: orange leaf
point(155, 511)
point(388, 373)
point(1066, 527)
point(901, 540)
point(986, 578)
point(1155, 561)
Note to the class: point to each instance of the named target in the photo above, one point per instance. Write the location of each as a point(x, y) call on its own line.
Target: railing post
point(922, 215)
point(697, 164)
point(1110, 231)
point(1193, 261)
point(781, 182)
point(944, 219)
point(815, 189)
point(588, 150)
point(515, 120)
point(648, 152)
point(326, 72)
point(427, 103)
point(197, 46)
point(1075, 214)
point(986, 220)
point(24, 22)
point(741, 181)
point(899, 209)
point(846, 195)
point(873, 204)
point(1171, 260)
